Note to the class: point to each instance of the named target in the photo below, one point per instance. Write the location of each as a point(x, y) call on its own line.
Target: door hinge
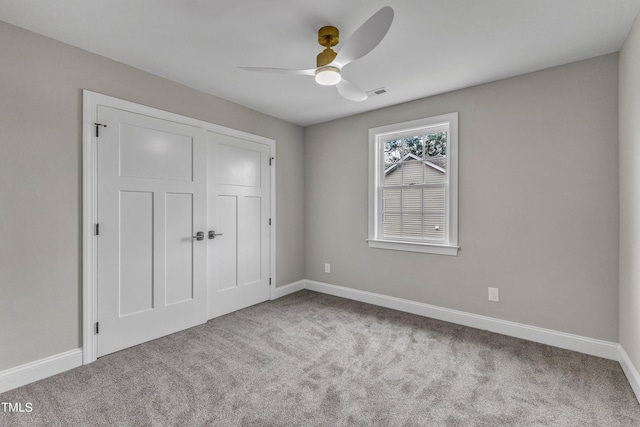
point(97, 327)
point(97, 229)
point(97, 125)
point(269, 221)
point(269, 281)
point(271, 159)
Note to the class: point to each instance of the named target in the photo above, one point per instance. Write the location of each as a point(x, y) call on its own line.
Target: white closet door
point(151, 202)
point(239, 203)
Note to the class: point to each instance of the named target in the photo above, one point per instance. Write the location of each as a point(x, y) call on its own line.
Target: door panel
point(227, 248)
point(179, 248)
point(238, 166)
point(150, 153)
point(136, 252)
point(249, 235)
point(151, 201)
point(239, 204)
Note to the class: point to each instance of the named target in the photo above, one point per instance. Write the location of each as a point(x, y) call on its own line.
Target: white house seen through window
point(413, 186)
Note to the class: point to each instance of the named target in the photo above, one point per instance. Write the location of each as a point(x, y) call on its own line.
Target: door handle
point(212, 234)
point(199, 235)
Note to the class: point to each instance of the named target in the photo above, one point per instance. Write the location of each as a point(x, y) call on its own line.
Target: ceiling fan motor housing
point(327, 36)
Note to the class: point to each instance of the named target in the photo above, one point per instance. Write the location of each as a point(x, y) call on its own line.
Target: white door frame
point(91, 100)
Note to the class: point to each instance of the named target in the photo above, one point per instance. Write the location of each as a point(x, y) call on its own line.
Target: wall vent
point(378, 91)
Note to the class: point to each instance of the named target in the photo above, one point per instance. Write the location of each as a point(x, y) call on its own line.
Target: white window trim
point(376, 137)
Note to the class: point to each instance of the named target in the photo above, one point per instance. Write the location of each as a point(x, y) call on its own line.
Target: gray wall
point(538, 194)
point(629, 113)
point(538, 198)
point(41, 84)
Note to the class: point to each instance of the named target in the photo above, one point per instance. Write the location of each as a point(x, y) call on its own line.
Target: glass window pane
point(391, 226)
point(413, 147)
point(412, 172)
point(435, 144)
point(434, 200)
point(435, 170)
point(393, 175)
point(434, 227)
point(393, 152)
point(412, 226)
point(391, 200)
point(412, 201)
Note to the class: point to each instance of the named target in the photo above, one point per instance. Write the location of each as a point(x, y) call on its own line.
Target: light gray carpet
point(310, 359)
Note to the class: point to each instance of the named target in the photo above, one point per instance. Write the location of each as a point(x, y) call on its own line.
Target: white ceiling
point(433, 46)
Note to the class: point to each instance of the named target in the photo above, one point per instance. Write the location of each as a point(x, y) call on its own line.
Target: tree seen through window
point(425, 146)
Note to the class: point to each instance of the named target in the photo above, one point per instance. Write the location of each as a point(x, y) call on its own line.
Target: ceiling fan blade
point(351, 91)
point(365, 38)
point(309, 72)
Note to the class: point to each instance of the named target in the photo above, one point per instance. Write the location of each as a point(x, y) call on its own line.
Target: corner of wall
point(629, 177)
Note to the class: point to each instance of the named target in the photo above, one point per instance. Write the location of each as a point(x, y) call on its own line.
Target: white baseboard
point(591, 346)
point(40, 369)
point(630, 371)
point(281, 291)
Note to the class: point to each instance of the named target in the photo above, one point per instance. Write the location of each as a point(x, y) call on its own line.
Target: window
point(413, 186)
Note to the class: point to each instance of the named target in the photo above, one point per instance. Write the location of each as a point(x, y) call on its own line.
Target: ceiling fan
point(330, 64)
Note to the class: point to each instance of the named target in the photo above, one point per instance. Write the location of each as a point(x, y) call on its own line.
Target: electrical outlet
point(494, 294)
point(327, 267)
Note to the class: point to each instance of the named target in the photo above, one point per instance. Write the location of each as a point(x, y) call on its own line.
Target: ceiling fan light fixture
point(328, 76)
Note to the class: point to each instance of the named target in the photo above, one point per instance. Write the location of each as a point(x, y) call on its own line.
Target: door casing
point(91, 100)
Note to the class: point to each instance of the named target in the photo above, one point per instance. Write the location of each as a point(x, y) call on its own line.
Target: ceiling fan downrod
point(328, 37)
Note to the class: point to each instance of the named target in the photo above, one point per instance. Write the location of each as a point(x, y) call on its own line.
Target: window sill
point(426, 248)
